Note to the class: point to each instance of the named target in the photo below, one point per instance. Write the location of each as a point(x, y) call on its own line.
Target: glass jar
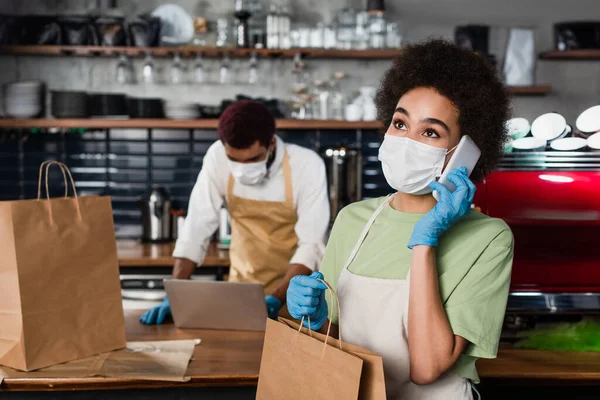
point(377, 31)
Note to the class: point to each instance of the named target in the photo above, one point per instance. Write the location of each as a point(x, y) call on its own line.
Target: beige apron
point(375, 316)
point(263, 239)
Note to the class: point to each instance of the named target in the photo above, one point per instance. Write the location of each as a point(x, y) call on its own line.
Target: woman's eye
point(399, 125)
point(431, 134)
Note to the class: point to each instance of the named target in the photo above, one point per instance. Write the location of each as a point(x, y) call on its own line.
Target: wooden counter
point(224, 358)
point(232, 359)
point(133, 253)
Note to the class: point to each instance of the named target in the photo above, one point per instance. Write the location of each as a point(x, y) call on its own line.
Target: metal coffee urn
point(344, 176)
point(156, 216)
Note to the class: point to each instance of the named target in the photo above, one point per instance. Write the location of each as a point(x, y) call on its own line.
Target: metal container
point(344, 176)
point(156, 216)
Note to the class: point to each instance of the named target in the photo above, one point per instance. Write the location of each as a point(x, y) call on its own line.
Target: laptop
point(217, 305)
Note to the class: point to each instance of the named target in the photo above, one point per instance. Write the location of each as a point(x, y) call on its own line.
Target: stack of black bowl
point(108, 105)
point(66, 104)
point(145, 108)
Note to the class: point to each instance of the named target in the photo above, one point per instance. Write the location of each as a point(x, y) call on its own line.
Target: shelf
point(175, 124)
point(575, 55)
point(189, 51)
point(542, 90)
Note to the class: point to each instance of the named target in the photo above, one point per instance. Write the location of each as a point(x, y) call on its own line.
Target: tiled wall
point(124, 164)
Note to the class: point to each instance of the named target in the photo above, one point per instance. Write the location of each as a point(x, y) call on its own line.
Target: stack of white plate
point(529, 144)
point(593, 142)
point(550, 126)
point(24, 99)
point(181, 110)
point(588, 123)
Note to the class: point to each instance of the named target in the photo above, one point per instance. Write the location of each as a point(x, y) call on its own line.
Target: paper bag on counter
point(300, 364)
point(60, 295)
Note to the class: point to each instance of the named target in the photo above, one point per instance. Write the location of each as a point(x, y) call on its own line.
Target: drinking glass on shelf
point(377, 30)
point(361, 36)
point(393, 37)
point(225, 70)
point(338, 102)
point(317, 36)
point(177, 70)
point(148, 69)
point(346, 19)
point(330, 37)
point(224, 38)
point(124, 73)
point(199, 73)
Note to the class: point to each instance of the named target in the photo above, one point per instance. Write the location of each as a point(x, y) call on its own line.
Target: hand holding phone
point(466, 155)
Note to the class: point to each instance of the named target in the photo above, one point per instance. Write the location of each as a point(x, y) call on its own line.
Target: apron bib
point(375, 316)
point(263, 239)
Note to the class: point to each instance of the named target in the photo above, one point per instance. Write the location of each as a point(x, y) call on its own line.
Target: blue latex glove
point(306, 297)
point(158, 314)
point(273, 306)
point(451, 207)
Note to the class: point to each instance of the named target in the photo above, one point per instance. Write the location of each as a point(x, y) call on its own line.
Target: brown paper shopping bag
point(301, 364)
point(60, 296)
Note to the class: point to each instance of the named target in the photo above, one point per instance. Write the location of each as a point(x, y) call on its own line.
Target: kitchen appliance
point(551, 201)
point(577, 35)
point(157, 219)
point(344, 176)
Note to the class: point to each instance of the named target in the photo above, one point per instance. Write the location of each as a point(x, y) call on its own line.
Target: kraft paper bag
point(60, 295)
point(300, 364)
point(372, 381)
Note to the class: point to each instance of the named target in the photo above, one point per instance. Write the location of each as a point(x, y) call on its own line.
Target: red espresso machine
point(551, 201)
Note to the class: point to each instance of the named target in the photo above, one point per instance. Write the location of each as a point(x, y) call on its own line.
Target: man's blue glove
point(273, 306)
point(157, 315)
point(449, 209)
point(306, 297)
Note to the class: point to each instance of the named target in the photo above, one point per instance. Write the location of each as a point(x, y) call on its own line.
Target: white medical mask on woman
point(409, 166)
point(249, 173)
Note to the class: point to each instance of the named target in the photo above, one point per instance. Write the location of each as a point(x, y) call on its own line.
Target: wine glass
point(225, 69)
point(253, 69)
point(199, 72)
point(148, 69)
point(177, 70)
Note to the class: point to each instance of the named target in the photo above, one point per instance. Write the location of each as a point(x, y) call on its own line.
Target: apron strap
point(366, 229)
point(287, 179)
point(230, 189)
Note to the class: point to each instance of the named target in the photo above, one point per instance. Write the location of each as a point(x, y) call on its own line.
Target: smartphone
point(466, 155)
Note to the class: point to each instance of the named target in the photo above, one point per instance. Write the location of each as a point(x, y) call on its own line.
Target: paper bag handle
point(65, 170)
point(337, 302)
point(40, 174)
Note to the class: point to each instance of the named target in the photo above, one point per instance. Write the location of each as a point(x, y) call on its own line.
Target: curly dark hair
point(467, 79)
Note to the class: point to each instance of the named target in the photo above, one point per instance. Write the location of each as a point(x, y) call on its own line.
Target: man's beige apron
point(375, 316)
point(263, 239)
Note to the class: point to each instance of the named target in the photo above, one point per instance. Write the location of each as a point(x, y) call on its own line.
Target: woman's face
point(424, 115)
